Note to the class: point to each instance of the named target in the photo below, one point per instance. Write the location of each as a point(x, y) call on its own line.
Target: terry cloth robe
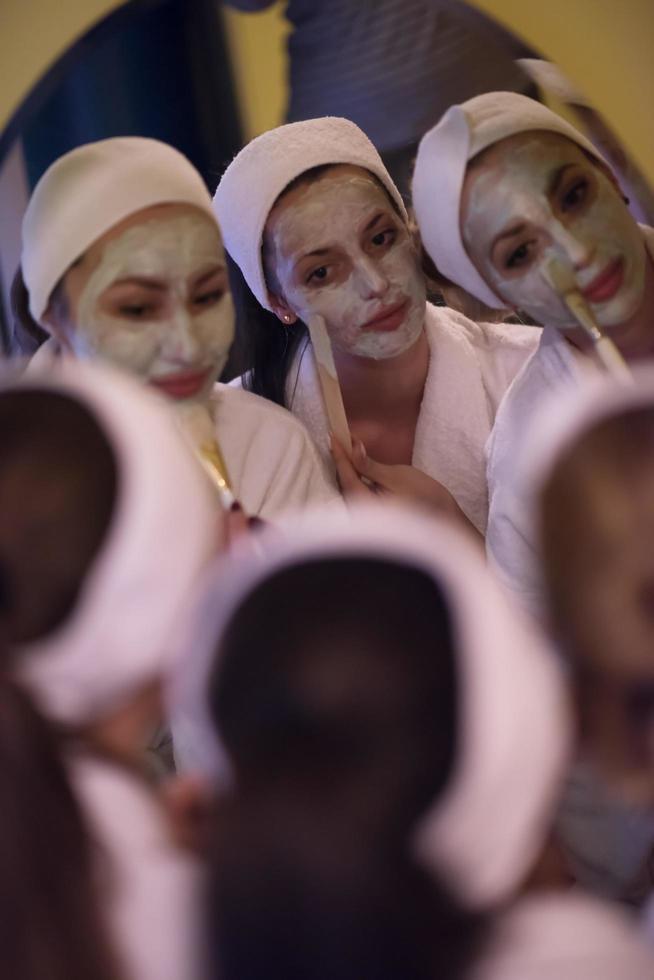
point(564, 936)
point(272, 463)
point(510, 536)
point(470, 367)
point(150, 891)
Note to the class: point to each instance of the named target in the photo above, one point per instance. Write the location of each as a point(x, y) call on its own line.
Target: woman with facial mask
point(94, 582)
point(123, 261)
point(386, 794)
point(317, 228)
point(590, 488)
point(502, 185)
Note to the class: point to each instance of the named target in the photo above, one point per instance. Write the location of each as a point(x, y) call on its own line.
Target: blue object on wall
point(156, 68)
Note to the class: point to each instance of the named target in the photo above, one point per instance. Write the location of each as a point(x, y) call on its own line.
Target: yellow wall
point(33, 34)
point(258, 48)
point(605, 46)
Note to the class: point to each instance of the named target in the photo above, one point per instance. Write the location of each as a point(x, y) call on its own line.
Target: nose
point(182, 343)
point(371, 279)
point(579, 252)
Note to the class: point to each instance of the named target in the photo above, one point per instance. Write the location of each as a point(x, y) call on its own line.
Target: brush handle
point(213, 462)
point(607, 353)
point(612, 360)
point(331, 391)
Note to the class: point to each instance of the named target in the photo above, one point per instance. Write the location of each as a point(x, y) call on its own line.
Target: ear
point(281, 309)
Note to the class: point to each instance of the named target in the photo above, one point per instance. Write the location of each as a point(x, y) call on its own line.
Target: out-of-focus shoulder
point(234, 397)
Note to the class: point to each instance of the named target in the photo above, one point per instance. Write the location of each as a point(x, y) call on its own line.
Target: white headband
point(569, 413)
point(487, 828)
point(260, 172)
point(88, 191)
point(163, 531)
point(463, 132)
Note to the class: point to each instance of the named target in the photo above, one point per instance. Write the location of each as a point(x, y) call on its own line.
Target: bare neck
point(635, 337)
point(384, 390)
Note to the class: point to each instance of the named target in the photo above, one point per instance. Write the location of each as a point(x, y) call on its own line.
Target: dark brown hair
point(57, 488)
point(340, 717)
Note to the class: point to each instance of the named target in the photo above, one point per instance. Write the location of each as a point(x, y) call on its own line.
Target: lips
point(606, 284)
point(388, 319)
point(184, 384)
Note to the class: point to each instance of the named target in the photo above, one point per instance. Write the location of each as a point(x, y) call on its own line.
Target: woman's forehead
point(507, 151)
point(327, 186)
point(147, 216)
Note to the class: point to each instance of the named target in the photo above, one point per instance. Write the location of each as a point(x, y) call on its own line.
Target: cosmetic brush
point(331, 390)
point(559, 275)
point(198, 428)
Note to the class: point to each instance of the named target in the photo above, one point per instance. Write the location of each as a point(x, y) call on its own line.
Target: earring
point(286, 318)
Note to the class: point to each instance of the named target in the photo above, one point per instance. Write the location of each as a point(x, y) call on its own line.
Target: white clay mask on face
point(555, 203)
point(173, 332)
point(365, 280)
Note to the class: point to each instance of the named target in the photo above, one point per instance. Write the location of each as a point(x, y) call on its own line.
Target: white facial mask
point(363, 279)
point(173, 251)
point(513, 190)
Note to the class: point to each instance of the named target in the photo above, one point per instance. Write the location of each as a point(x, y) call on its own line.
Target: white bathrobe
point(510, 535)
point(564, 936)
point(470, 367)
point(272, 463)
point(150, 891)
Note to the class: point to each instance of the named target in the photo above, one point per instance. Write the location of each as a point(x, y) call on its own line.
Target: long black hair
point(336, 696)
point(264, 348)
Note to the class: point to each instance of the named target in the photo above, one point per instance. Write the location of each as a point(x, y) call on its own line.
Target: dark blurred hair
point(336, 696)
point(264, 347)
point(57, 490)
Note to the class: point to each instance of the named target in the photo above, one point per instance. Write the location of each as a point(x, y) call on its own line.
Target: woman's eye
point(319, 274)
point(575, 195)
point(135, 311)
point(519, 256)
point(386, 237)
point(208, 299)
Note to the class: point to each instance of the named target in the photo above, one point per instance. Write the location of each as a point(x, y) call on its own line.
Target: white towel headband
point(163, 532)
point(89, 190)
point(463, 132)
point(569, 413)
point(488, 826)
point(259, 173)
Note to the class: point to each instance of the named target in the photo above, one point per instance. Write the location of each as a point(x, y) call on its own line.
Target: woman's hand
point(361, 476)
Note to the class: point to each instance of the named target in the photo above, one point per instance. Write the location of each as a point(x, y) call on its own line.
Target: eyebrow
point(510, 232)
point(209, 274)
point(325, 249)
point(373, 221)
point(143, 281)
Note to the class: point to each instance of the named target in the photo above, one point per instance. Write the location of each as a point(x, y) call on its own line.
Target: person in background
point(106, 524)
point(392, 66)
point(589, 486)
point(318, 229)
point(123, 262)
point(388, 740)
point(502, 185)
